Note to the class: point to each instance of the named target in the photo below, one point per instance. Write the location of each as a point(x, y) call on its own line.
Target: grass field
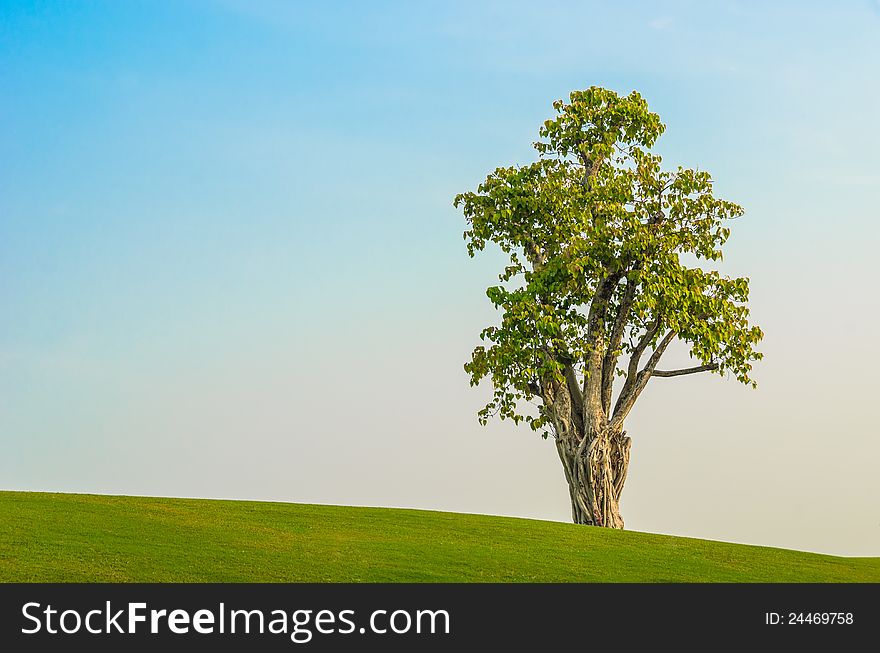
point(69, 537)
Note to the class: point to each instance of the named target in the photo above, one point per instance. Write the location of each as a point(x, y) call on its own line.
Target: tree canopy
point(607, 266)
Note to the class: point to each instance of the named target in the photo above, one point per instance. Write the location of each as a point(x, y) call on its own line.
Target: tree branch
point(658, 353)
point(626, 401)
point(596, 345)
point(599, 304)
point(609, 363)
point(635, 358)
point(688, 370)
point(533, 254)
point(577, 399)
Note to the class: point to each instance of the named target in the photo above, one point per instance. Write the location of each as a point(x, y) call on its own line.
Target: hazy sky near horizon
point(230, 265)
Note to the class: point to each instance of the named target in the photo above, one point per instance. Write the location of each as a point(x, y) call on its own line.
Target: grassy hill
point(69, 537)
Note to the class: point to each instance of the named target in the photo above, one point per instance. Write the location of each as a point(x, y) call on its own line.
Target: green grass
point(87, 538)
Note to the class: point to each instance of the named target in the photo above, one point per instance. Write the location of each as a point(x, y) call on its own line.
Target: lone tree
point(598, 286)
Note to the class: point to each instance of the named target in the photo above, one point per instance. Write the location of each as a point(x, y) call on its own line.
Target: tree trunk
point(595, 469)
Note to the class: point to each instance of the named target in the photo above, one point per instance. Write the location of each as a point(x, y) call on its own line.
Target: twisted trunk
point(595, 467)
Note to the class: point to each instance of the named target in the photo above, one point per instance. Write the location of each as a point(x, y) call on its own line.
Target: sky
point(230, 266)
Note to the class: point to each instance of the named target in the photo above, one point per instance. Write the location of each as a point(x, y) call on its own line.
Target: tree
point(598, 286)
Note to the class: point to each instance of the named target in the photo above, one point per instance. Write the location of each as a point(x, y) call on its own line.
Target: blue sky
point(230, 266)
